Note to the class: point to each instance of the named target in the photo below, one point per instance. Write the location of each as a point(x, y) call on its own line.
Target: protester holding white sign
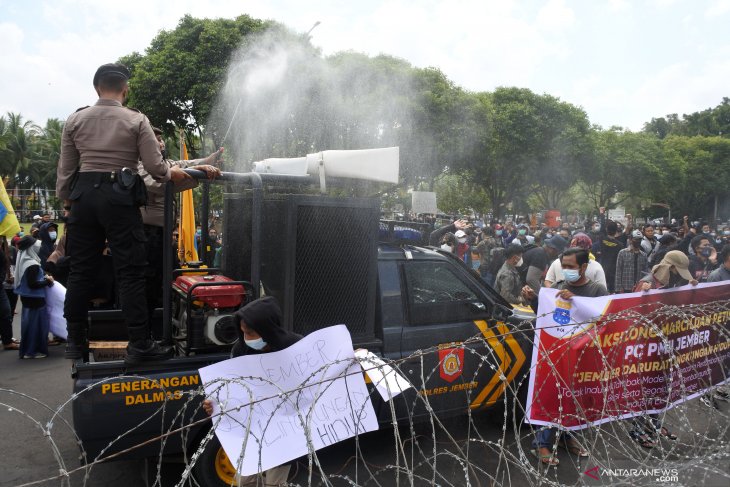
point(284, 396)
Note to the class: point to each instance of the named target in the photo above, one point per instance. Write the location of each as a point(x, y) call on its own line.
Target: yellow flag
point(187, 220)
point(8, 221)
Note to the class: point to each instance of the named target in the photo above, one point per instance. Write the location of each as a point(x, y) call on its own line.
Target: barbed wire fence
point(479, 447)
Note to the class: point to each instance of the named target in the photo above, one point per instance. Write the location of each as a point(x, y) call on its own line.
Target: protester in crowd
point(649, 243)
point(722, 273)
point(610, 246)
point(631, 264)
point(260, 331)
point(704, 260)
point(462, 247)
point(48, 234)
point(574, 262)
point(500, 235)
point(672, 271)
point(594, 271)
point(212, 247)
point(6, 313)
point(508, 283)
point(435, 239)
point(30, 284)
point(11, 253)
point(484, 249)
point(537, 260)
point(448, 243)
point(58, 263)
point(37, 220)
point(667, 242)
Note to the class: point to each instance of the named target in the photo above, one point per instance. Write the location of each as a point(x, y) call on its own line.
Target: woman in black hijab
point(259, 331)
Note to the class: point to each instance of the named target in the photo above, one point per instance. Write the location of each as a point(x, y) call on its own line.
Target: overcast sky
point(623, 61)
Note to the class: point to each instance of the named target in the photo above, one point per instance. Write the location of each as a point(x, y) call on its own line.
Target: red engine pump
point(203, 311)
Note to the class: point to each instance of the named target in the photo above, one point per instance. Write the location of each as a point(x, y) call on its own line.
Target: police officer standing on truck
point(98, 182)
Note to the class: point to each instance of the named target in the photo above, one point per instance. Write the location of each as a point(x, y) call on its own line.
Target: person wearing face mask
point(631, 264)
point(462, 247)
point(260, 331)
point(704, 260)
point(574, 262)
point(508, 283)
point(594, 271)
point(722, 273)
point(47, 234)
point(500, 235)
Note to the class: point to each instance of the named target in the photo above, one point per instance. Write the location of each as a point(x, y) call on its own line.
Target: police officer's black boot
point(142, 348)
point(77, 345)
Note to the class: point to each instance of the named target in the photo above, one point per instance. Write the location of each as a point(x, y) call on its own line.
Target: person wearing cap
point(153, 213)
point(96, 178)
point(462, 247)
point(30, 284)
point(631, 264)
point(537, 260)
point(672, 271)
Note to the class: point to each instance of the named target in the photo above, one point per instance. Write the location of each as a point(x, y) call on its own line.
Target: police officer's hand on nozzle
point(177, 174)
point(210, 171)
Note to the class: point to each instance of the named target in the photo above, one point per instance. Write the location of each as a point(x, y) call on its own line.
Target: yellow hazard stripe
point(508, 368)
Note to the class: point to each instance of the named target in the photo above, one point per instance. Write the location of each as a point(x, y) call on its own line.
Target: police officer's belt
point(98, 177)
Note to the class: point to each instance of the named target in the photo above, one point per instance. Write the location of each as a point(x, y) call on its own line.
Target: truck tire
point(213, 468)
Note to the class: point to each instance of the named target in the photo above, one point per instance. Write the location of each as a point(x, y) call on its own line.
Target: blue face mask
point(498, 233)
point(522, 232)
point(257, 344)
point(571, 275)
point(706, 251)
point(53, 235)
point(20, 234)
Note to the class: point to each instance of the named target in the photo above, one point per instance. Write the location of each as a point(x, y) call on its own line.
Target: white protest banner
point(55, 296)
point(386, 379)
point(281, 405)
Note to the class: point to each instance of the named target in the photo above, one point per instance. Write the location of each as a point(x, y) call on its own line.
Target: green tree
point(456, 193)
point(178, 79)
point(622, 164)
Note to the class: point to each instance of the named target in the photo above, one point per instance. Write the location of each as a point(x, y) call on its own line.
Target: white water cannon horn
point(381, 165)
point(295, 166)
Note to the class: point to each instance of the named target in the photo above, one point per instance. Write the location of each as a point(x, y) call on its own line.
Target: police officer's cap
point(111, 69)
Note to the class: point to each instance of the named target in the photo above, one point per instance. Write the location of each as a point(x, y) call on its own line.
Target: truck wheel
point(213, 468)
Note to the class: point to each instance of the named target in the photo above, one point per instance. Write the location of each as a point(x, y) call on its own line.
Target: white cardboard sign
point(278, 406)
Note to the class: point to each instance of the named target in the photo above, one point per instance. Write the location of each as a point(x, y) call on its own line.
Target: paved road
point(42, 386)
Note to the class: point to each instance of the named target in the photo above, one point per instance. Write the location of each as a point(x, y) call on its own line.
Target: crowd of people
point(597, 258)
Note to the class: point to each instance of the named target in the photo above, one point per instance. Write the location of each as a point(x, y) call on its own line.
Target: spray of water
point(282, 98)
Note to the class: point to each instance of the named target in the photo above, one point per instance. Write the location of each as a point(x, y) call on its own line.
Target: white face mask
point(257, 344)
point(462, 240)
point(519, 263)
point(53, 235)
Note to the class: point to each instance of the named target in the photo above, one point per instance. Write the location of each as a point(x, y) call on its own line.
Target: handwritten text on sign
point(277, 404)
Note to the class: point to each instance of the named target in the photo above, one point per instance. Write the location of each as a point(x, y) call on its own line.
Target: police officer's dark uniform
point(101, 146)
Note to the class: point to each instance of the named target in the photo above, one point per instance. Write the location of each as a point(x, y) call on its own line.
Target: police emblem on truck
point(452, 363)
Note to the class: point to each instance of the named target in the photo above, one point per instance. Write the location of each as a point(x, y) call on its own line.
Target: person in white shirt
point(594, 271)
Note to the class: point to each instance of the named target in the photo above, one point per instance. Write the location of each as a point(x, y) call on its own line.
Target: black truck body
point(321, 257)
